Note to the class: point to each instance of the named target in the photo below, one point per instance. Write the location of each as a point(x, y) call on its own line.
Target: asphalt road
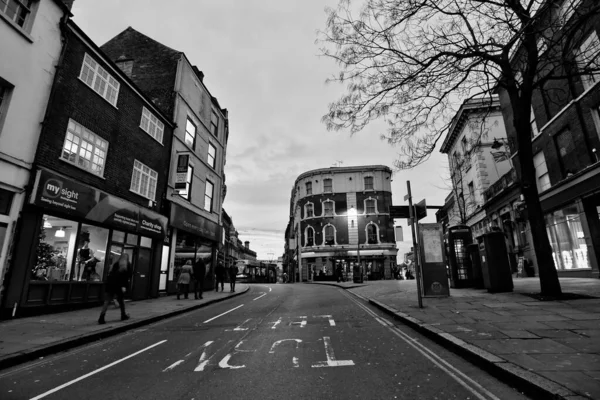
point(274, 342)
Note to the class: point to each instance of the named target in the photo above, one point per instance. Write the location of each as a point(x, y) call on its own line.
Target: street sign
point(399, 234)
point(406, 197)
point(399, 212)
point(421, 210)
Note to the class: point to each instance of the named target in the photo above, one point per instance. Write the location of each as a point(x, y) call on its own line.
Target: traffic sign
point(421, 210)
point(399, 212)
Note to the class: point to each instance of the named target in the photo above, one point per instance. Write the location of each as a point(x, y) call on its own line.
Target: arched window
point(328, 208)
point(370, 206)
point(310, 236)
point(309, 210)
point(329, 235)
point(372, 234)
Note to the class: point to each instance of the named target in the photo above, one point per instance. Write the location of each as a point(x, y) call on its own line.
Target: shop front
point(69, 237)
point(322, 266)
point(192, 237)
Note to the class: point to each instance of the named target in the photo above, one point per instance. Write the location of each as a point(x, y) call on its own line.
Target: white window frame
point(214, 123)
point(140, 172)
point(534, 128)
point(542, 179)
point(367, 205)
point(308, 229)
point(187, 133)
point(325, 188)
point(312, 210)
point(372, 182)
point(325, 234)
point(376, 232)
point(26, 5)
point(308, 186)
point(591, 41)
point(332, 208)
point(213, 156)
point(80, 141)
point(189, 180)
point(151, 125)
point(105, 86)
point(208, 198)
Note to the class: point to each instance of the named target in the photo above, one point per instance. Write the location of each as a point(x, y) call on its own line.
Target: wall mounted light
point(60, 233)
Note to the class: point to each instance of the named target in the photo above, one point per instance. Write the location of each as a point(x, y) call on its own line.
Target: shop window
point(132, 239)
point(55, 250)
point(568, 241)
point(145, 242)
point(118, 237)
point(91, 254)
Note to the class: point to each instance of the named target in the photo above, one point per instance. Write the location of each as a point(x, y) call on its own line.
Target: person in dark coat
point(220, 276)
point(199, 274)
point(116, 286)
point(232, 270)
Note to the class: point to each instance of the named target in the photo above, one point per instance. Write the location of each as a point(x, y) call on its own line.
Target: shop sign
point(56, 193)
point(189, 221)
point(183, 161)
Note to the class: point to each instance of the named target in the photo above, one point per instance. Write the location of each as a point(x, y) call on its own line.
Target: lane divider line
point(264, 294)
point(220, 315)
point(64, 385)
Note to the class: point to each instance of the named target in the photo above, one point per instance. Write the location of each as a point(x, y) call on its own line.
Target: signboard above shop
point(54, 192)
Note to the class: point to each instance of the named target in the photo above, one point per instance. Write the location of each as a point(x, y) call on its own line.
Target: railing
point(505, 181)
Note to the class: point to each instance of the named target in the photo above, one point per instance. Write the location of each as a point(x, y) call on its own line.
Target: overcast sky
point(261, 62)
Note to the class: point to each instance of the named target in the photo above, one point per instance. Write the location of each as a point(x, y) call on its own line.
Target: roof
point(336, 170)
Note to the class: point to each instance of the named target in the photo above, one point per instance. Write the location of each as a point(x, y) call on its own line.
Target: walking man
point(232, 275)
point(199, 274)
point(220, 276)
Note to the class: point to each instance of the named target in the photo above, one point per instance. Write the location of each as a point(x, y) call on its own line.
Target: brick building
point(337, 215)
point(196, 185)
point(98, 188)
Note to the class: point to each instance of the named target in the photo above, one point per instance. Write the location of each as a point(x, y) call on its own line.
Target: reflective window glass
point(55, 250)
point(91, 254)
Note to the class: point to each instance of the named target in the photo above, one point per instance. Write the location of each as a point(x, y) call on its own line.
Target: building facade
point(196, 185)
point(341, 214)
point(566, 139)
point(30, 46)
point(97, 190)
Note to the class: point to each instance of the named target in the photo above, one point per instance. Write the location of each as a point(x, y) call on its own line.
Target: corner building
point(339, 214)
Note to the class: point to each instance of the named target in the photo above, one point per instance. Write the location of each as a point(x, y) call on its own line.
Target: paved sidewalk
point(25, 339)
point(549, 348)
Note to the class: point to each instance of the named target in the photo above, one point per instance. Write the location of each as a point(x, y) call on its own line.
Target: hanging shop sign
point(57, 193)
point(183, 162)
point(182, 218)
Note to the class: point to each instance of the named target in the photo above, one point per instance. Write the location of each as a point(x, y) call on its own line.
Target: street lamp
point(354, 215)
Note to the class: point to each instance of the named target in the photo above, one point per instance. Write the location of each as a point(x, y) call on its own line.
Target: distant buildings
point(337, 215)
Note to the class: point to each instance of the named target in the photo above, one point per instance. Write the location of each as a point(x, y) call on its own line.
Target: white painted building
point(30, 48)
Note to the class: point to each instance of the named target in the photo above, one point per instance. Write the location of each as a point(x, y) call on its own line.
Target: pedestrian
point(183, 283)
point(199, 274)
point(339, 272)
point(285, 277)
point(220, 276)
point(232, 276)
point(116, 286)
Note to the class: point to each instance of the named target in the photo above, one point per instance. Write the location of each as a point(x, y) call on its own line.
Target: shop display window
point(568, 241)
point(91, 254)
point(55, 250)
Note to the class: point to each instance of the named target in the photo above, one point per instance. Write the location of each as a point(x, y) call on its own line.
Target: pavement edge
point(66, 344)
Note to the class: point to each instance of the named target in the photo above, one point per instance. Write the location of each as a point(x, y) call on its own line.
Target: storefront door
point(141, 274)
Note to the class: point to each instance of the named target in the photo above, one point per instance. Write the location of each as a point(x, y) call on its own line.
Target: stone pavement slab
point(25, 339)
point(549, 347)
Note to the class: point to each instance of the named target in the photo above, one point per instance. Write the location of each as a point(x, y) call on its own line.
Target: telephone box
point(461, 272)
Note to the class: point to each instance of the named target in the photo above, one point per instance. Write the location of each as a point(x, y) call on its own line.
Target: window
point(56, 250)
point(84, 148)
point(463, 144)
point(534, 127)
point(143, 180)
point(308, 188)
point(541, 172)
point(6, 198)
point(588, 59)
point(568, 239)
point(471, 191)
point(214, 124)
point(151, 125)
point(309, 211)
point(310, 236)
point(327, 185)
point(16, 10)
point(542, 46)
point(567, 9)
point(328, 208)
point(98, 79)
point(208, 195)
point(5, 90)
point(190, 133)
point(372, 233)
point(368, 183)
point(187, 192)
point(566, 149)
point(329, 235)
point(212, 155)
point(370, 206)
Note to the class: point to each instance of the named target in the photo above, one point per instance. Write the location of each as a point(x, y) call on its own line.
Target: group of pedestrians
point(189, 273)
point(221, 272)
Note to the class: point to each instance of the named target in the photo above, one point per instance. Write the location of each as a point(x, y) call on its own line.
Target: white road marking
point(56, 389)
point(224, 363)
point(295, 361)
point(239, 327)
point(301, 323)
point(298, 341)
point(264, 294)
point(238, 345)
point(276, 323)
point(226, 312)
point(331, 361)
point(269, 288)
point(203, 361)
point(170, 367)
point(453, 372)
point(331, 321)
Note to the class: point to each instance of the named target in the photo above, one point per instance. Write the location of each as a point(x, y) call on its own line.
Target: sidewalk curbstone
point(527, 381)
point(66, 344)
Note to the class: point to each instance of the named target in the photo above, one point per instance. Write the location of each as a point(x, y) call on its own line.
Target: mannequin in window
point(86, 261)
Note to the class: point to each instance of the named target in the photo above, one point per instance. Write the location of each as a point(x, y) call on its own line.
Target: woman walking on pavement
point(116, 286)
point(183, 284)
point(232, 274)
point(220, 276)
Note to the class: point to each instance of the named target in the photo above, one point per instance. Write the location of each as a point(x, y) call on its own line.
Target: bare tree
point(409, 62)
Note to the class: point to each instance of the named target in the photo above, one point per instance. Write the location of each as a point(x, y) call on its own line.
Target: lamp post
point(352, 213)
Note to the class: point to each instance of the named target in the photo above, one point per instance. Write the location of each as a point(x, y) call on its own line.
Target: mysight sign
point(54, 192)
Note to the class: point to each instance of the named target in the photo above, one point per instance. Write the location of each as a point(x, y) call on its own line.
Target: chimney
point(199, 73)
point(247, 244)
point(69, 3)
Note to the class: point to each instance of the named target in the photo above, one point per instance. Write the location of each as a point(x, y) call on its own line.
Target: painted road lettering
point(331, 361)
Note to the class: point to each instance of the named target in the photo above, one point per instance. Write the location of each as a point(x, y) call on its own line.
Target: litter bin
point(495, 267)
point(473, 252)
